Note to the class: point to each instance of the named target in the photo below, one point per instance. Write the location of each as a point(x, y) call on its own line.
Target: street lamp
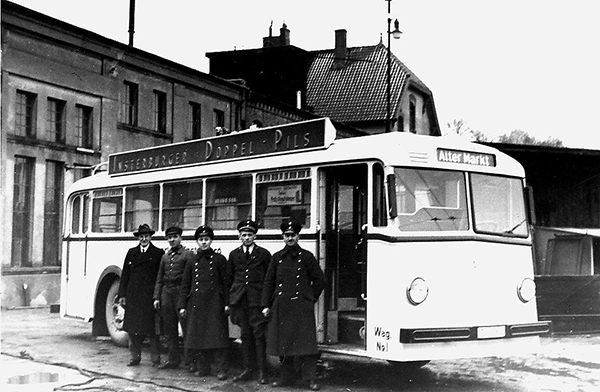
point(396, 34)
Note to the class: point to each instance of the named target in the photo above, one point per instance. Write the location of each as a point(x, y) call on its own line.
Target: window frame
point(25, 114)
point(56, 119)
point(130, 104)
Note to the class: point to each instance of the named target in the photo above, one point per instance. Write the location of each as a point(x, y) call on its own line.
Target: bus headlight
point(418, 291)
point(526, 290)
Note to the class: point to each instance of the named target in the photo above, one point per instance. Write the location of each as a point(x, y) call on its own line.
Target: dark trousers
point(171, 321)
point(204, 358)
point(135, 347)
point(303, 365)
point(252, 325)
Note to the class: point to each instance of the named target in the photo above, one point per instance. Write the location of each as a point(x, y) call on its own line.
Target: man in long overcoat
point(204, 301)
point(135, 295)
point(249, 264)
point(293, 283)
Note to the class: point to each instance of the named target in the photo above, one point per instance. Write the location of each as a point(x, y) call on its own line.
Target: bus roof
point(394, 149)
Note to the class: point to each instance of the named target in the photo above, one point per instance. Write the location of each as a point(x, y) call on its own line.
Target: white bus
point(424, 240)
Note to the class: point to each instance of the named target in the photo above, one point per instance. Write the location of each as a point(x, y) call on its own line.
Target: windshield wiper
point(512, 231)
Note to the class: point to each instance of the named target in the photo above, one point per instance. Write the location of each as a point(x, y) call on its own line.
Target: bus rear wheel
point(114, 314)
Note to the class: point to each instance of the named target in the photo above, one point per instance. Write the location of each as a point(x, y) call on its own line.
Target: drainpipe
point(26, 296)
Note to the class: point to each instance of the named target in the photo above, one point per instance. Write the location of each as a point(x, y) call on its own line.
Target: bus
point(424, 241)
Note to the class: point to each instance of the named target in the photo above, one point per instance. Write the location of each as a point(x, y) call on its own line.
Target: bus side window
point(182, 205)
point(86, 213)
point(379, 206)
point(228, 200)
point(281, 196)
point(107, 210)
point(75, 214)
point(141, 206)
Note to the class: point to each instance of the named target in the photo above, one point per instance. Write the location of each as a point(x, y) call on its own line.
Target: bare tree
point(519, 136)
point(460, 128)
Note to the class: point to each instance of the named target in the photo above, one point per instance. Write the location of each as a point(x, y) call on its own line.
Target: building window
point(22, 211)
point(195, 120)
point(412, 115)
point(52, 209)
point(219, 122)
point(55, 120)
point(25, 114)
point(84, 126)
point(130, 103)
point(81, 171)
point(159, 109)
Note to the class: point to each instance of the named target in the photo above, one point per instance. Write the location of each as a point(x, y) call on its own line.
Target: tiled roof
point(356, 91)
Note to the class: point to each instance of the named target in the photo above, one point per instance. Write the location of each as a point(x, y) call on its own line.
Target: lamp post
point(396, 33)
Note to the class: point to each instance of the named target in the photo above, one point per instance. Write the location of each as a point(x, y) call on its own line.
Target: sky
point(532, 65)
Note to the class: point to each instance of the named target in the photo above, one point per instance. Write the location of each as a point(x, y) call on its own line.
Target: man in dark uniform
point(135, 295)
point(293, 284)
point(249, 265)
point(203, 300)
point(166, 293)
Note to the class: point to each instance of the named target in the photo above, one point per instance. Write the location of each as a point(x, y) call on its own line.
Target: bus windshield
point(498, 205)
point(431, 200)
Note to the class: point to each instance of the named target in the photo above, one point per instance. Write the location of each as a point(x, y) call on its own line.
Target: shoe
point(134, 362)
point(280, 383)
point(222, 375)
point(262, 378)
point(155, 364)
point(168, 365)
point(313, 386)
point(244, 376)
point(201, 373)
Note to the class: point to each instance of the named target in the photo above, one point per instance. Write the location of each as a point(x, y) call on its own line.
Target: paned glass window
point(141, 206)
point(282, 196)
point(228, 201)
point(182, 205)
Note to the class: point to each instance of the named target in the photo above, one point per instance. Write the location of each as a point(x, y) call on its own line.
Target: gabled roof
point(356, 91)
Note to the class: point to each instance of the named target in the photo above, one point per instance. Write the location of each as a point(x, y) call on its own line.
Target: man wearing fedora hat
point(166, 293)
point(135, 295)
point(249, 264)
point(293, 284)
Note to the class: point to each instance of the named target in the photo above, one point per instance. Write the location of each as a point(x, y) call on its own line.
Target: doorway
point(345, 237)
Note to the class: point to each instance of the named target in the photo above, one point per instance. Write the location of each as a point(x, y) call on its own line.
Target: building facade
point(70, 98)
point(347, 84)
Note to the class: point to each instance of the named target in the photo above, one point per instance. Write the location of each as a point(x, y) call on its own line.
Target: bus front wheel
point(115, 314)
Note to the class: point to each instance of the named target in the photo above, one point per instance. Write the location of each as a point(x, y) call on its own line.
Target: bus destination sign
point(466, 157)
point(307, 135)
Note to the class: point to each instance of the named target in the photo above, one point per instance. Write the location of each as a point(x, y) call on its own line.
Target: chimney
point(340, 53)
point(282, 40)
point(284, 35)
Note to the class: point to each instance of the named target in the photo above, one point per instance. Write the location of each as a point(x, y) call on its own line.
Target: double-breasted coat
point(137, 286)
point(293, 283)
point(248, 274)
point(204, 293)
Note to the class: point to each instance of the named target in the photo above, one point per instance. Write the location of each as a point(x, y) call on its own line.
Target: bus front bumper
point(428, 335)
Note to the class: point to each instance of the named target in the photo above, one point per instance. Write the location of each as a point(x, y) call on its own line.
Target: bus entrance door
point(346, 204)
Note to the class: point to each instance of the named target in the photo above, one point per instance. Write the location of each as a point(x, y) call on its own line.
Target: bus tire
point(407, 366)
point(114, 314)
